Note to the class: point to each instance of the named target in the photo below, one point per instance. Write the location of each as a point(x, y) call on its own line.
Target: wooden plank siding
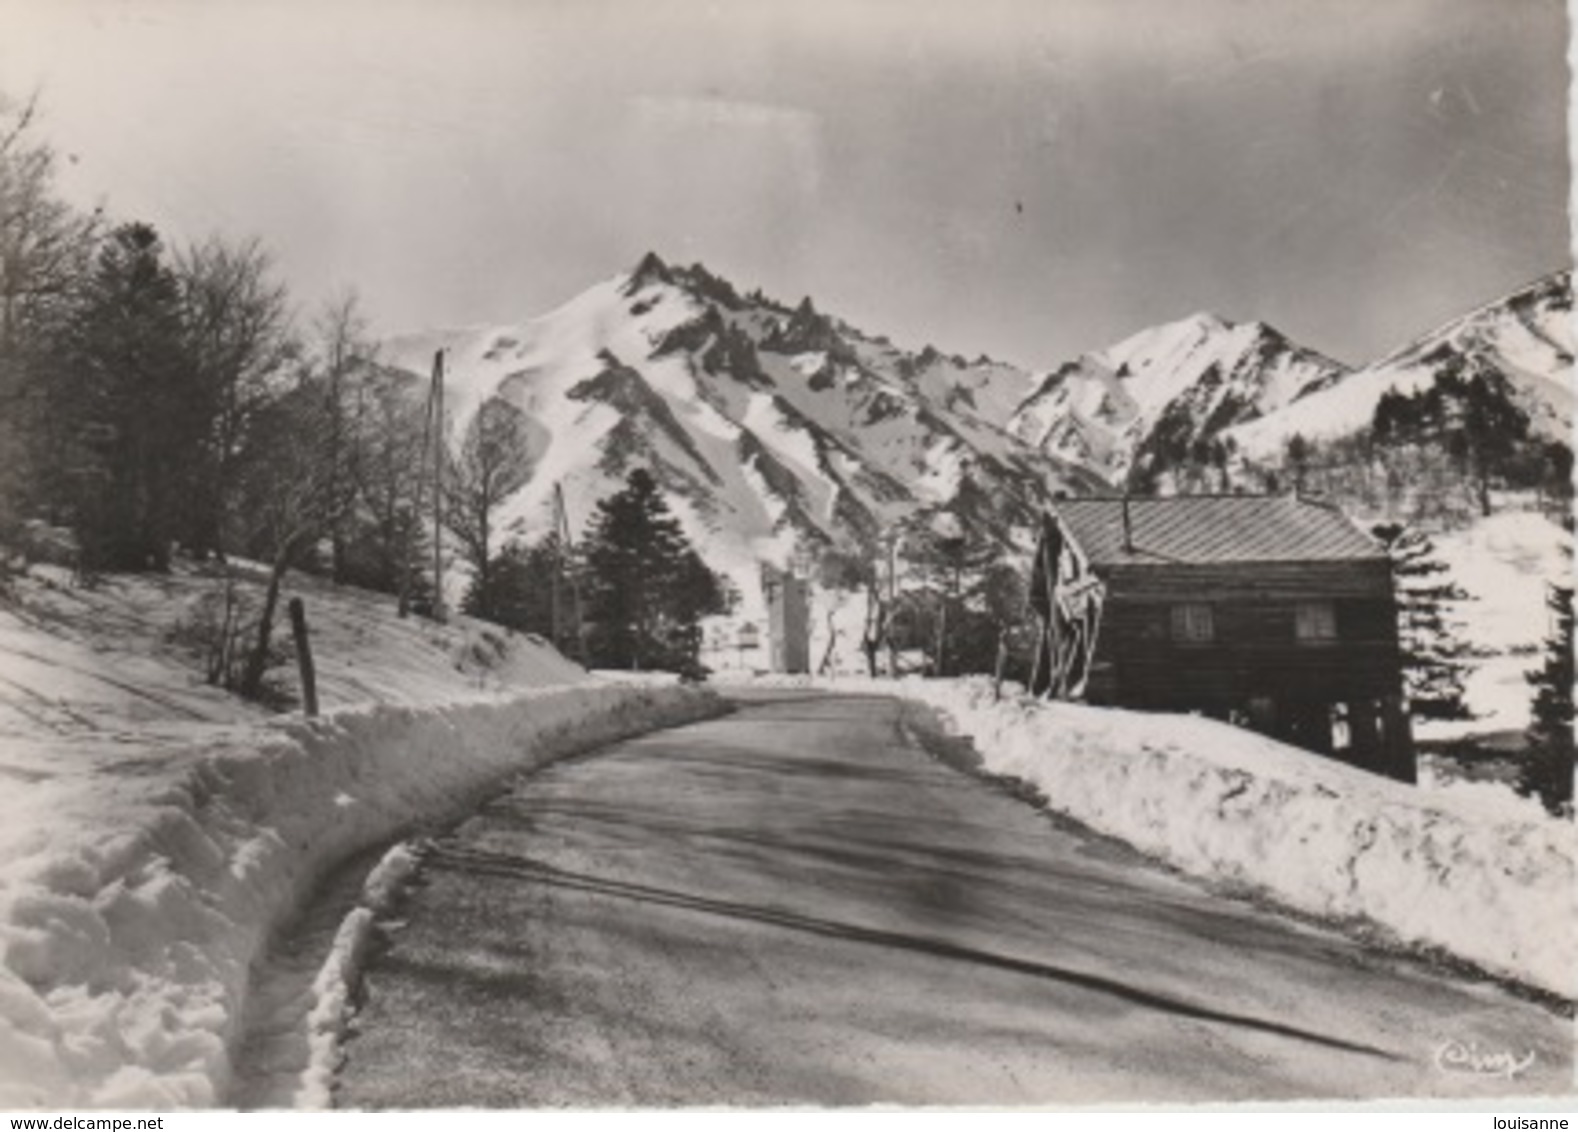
point(1255, 650)
point(1233, 581)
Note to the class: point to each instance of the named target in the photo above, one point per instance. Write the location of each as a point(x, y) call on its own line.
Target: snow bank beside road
point(1435, 868)
point(126, 947)
point(337, 979)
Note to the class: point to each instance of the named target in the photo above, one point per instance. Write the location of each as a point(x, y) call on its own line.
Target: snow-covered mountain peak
point(1164, 389)
point(651, 269)
point(1527, 335)
point(772, 430)
point(777, 428)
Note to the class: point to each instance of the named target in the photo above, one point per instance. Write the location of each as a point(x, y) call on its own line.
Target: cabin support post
point(1398, 741)
point(1263, 715)
point(1364, 731)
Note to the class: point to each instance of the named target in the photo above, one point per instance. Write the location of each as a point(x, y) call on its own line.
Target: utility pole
point(440, 443)
point(561, 525)
point(558, 569)
point(413, 527)
point(893, 608)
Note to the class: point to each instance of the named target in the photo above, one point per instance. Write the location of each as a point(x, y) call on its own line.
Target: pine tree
point(1547, 771)
point(132, 404)
point(523, 582)
point(1297, 460)
point(1432, 655)
point(646, 587)
point(1493, 427)
point(1470, 412)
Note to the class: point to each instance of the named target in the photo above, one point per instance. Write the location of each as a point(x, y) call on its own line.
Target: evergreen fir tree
point(1547, 771)
point(1297, 461)
point(1470, 412)
point(519, 592)
point(133, 405)
point(646, 587)
point(1434, 659)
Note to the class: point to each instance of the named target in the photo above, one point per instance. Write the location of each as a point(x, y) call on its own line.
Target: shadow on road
point(474, 862)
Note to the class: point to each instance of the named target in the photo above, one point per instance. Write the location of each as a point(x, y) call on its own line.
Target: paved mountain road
point(799, 904)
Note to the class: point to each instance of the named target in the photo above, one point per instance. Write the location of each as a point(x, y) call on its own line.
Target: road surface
point(801, 903)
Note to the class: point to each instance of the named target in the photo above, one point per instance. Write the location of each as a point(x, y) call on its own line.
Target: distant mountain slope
point(771, 429)
point(775, 429)
point(1153, 395)
point(1528, 336)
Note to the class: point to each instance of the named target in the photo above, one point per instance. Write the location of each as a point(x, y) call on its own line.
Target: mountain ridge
point(773, 431)
point(776, 430)
point(1152, 396)
point(1526, 334)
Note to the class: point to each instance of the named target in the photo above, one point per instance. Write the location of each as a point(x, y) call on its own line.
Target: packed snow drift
point(157, 831)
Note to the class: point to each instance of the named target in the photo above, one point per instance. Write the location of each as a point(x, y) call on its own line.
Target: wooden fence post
point(309, 675)
point(1001, 665)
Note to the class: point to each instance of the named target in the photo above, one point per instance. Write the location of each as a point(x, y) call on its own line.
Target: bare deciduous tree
point(293, 497)
point(238, 320)
point(344, 350)
point(387, 546)
point(494, 461)
point(46, 251)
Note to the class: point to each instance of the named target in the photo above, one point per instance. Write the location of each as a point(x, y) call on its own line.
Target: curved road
point(803, 903)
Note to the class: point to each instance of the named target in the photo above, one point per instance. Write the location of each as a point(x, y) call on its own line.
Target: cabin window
point(1315, 623)
point(1192, 623)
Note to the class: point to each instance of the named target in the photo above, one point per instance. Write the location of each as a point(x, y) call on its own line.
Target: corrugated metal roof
point(1200, 529)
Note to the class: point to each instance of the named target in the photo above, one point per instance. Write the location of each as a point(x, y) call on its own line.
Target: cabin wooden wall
point(1255, 670)
point(1254, 653)
point(1166, 581)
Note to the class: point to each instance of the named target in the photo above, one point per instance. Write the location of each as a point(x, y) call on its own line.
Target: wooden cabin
point(1274, 612)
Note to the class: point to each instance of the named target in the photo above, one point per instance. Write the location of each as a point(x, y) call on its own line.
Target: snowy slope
point(1528, 336)
point(155, 831)
point(775, 430)
point(1504, 563)
point(772, 430)
point(1164, 388)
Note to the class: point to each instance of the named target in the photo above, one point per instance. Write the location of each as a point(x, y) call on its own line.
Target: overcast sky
point(1029, 178)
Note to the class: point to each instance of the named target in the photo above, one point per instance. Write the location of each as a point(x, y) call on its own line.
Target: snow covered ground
point(1505, 562)
point(157, 830)
point(1475, 872)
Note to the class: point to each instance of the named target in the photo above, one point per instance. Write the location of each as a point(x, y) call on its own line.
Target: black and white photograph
point(642, 555)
